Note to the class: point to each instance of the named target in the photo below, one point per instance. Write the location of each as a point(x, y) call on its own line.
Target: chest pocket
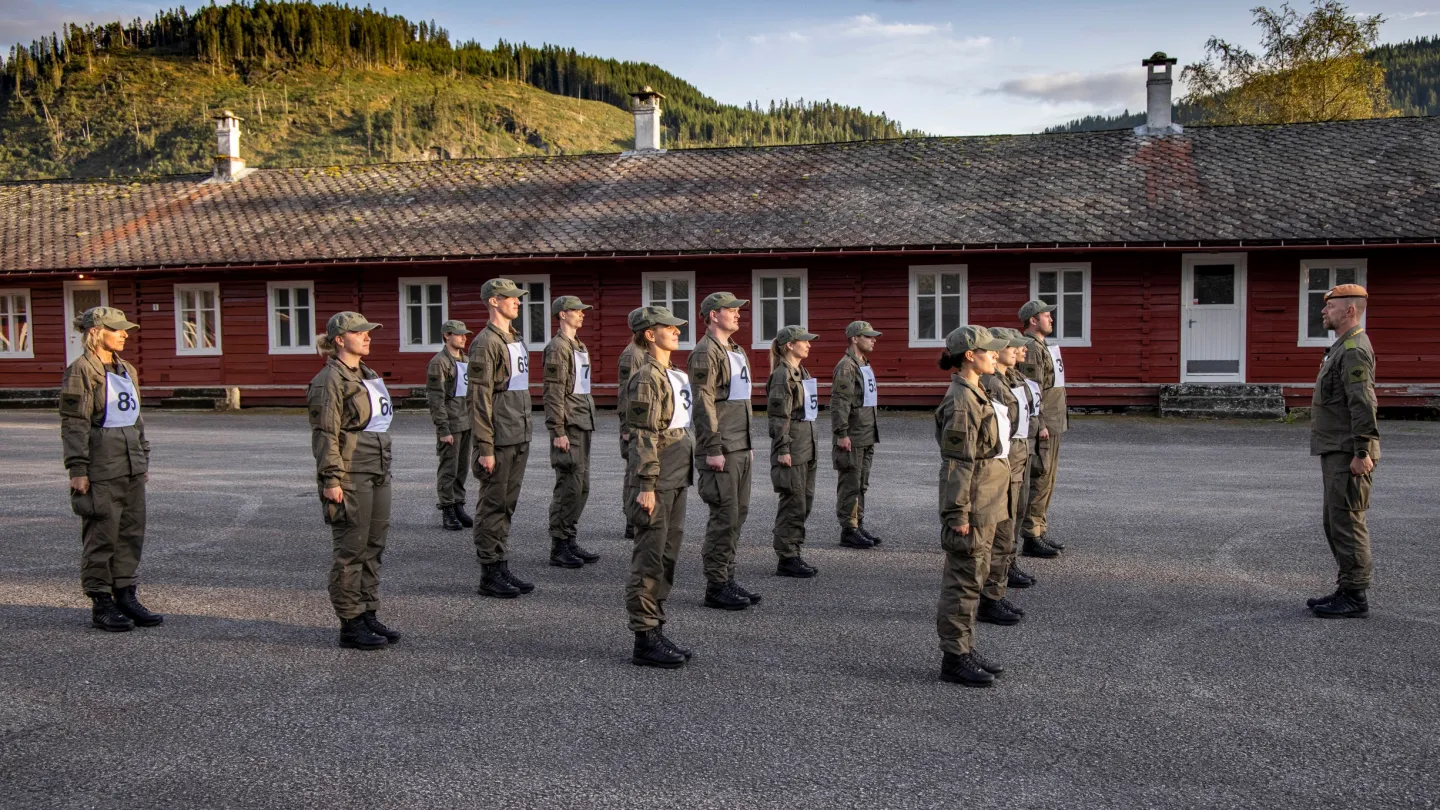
point(1331, 386)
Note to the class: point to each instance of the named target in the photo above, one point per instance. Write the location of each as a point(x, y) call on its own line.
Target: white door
point(1212, 318)
point(80, 296)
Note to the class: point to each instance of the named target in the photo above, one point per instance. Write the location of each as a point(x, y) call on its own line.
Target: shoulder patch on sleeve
point(954, 439)
point(699, 375)
point(639, 409)
point(1359, 374)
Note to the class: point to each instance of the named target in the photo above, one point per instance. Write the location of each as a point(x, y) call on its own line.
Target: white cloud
point(1410, 15)
point(1104, 89)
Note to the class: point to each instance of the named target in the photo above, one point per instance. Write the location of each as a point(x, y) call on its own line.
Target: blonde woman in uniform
point(350, 413)
point(108, 459)
point(792, 406)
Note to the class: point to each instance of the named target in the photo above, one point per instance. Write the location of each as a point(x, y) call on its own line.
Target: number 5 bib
point(519, 367)
point(867, 376)
point(739, 377)
point(812, 399)
point(122, 401)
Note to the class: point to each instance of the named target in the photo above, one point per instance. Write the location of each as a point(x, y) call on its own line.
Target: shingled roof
point(1336, 182)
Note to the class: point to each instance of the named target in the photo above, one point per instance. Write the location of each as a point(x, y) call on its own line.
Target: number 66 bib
point(122, 401)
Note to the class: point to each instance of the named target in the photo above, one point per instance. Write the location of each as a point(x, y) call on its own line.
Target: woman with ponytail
point(793, 404)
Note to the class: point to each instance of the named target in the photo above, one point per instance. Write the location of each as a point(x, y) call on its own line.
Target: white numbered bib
point(462, 381)
point(1022, 423)
point(519, 367)
point(582, 372)
point(680, 391)
point(381, 412)
point(1059, 366)
point(122, 401)
point(1034, 398)
point(1002, 415)
point(867, 376)
point(812, 399)
point(739, 376)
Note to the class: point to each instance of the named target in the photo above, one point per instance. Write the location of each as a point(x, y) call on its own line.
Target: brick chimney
point(228, 165)
point(1159, 88)
point(647, 120)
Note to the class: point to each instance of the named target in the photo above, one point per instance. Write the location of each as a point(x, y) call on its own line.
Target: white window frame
point(525, 302)
point(428, 348)
point(273, 325)
point(27, 353)
point(756, 277)
point(1036, 268)
point(180, 349)
point(696, 329)
point(917, 270)
point(1303, 321)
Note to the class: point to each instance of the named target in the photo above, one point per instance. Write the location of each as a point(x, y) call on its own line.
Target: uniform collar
point(509, 336)
point(964, 383)
point(853, 354)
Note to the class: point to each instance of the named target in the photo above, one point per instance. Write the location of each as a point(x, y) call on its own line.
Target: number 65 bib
point(122, 401)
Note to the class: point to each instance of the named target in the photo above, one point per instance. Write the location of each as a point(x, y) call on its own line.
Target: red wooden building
point(1174, 256)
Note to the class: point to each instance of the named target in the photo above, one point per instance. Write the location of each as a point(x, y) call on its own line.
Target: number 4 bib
point(739, 377)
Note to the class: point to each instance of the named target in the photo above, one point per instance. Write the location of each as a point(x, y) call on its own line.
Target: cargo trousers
point(796, 487)
point(112, 532)
point(967, 565)
point(1044, 464)
point(499, 494)
point(652, 560)
point(1347, 497)
point(359, 526)
point(852, 480)
point(572, 484)
point(453, 469)
point(727, 493)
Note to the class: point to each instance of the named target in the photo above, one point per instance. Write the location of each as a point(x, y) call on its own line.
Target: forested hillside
point(330, 84)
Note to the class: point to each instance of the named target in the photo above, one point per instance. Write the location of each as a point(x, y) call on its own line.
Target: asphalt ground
point(1167, 659)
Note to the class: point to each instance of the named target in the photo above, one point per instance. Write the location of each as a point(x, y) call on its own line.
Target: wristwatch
point(1362, 454)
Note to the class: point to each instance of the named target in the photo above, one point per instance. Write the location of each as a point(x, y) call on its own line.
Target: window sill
point(293, 350)
point(423, 349)
point(199, 352)
point(30, 355)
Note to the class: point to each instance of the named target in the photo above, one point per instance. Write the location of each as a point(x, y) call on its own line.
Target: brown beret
point(1347, 291)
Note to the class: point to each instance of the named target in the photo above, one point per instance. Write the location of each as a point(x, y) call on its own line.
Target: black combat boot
point(964, 670)
point(586, 556)
point(986, 664)
point(129, 604)
point(105, 615)
point(864, 532)
point(853, 538)
point(650, 651)
point(493, 582)
point(519, 584)
point(378, 627)
point(795, 567)
point(1052, 543)
point(744, 592)
point(1019, 579)
point(721, 595)
point(356, 635)
point(449, 520)
point(994, 612)
point(560, 555)
point(1347, 604)
point(685, 652)
point(463, 516)
point(1011, 606)
point(1317, 601)
point(629, 531)
point(1035, 547)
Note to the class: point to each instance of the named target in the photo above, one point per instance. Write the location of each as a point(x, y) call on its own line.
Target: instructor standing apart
point(1345, 434)
point(570, 418)
point(445, 391)
point(720, 374)
point(499, 380)
point(108, 460)
point(853, 397)
point(1043, 365)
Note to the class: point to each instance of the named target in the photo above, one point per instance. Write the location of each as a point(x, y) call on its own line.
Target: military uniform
point(1003, 395)
point(792, 407)
point(1041, 366)
point(1344, 427)
point(629, 359)
point(446, 389)
point(569, 412)
point(499, 401)
point(853, 398)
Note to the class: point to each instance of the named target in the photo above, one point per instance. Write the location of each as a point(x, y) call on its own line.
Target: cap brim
point(993, 345)
point(459, 332)
point(577, 309)
point(123, 326)
point(509, 293)
point(870, 333)
point(1016, 343)
point(671, 321)
point(365, 327)
point(1045, 308)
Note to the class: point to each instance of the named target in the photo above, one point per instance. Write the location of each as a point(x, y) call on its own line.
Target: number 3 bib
point(680, 391)
point(122, 401)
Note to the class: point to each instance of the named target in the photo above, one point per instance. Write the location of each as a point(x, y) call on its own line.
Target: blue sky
point(949, 68)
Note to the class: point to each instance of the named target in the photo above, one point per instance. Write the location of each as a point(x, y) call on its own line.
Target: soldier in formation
point(793, 403)
point(570, 421)
point(446, 392)
point(1044, 366)
point(853, 403)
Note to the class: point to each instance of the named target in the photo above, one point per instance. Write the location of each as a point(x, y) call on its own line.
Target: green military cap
point(1015, 337)
point(790, 334)
point(720, 300)
point(861, 329)
point(342, 322)
point(973, 338)
point(454, 328)
point(501, 288)
point(108, 317)
point(1033, 308)
point(646, 317)
point(565, 303)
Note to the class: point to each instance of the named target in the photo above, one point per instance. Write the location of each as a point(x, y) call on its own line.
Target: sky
point(941, 66)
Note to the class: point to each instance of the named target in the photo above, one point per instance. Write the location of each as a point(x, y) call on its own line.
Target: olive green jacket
point(339, 405)
point(721, 426)
point(848, 417)
point(564, 408)
point(498, 417)
point(659, 457)
point(1343, 409)
point(92, 450)
point(999, 390)
point(785, 410)
point(447, 411)
point(974, 485)
point(1039, 366)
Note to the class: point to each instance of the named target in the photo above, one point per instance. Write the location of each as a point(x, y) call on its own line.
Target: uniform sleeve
point(1031, 367)
point(140, 417)
point(327, 415)
point(780, 405)
point(642, 421)
point(957, 446)
point(76, 406)
point(1358, 370)
point(557, 374)
point(842, 399)
point(703, 383)
point(481, 375)
point(438, 387)
point(622, 395)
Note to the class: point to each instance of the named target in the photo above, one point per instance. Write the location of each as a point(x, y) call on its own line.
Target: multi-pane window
point(533, 325)
point(292, 317)
point(937, 303)
point(676, 292)
point(15, 324)
point(779, 301)
point(1316, 279)
point(1067, 288)
point(423, 308)
point(197, 319)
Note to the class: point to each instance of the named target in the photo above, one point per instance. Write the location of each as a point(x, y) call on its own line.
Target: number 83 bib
point(122, 401)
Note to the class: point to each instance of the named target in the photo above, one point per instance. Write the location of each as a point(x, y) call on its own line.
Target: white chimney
point(1159, 88)
point(647, 120)
point(228, 165)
